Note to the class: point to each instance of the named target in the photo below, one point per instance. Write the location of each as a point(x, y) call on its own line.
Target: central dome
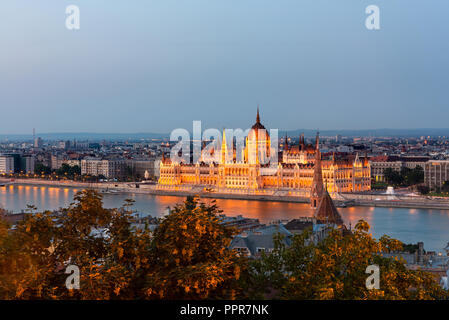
point(254, 132)
point(258, 143)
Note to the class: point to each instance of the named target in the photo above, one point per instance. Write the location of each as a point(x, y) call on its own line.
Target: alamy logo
point(253, 146)
point(373, 281)
point(73, 280)
point(372, 22)
point(72, 21)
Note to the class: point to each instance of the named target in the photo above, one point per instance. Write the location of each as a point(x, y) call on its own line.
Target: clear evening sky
point(155, 65)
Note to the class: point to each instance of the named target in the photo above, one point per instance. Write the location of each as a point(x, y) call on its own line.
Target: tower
point(326, 210)
point(301, 142)
point(224, 148)
point(258, 143)
point(317, 189)
point(286, 142)
point(258, 117)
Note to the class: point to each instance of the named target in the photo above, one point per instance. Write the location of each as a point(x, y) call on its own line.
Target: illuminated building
point(292, 176)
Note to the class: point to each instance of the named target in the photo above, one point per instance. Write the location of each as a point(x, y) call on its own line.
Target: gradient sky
point(155, 65)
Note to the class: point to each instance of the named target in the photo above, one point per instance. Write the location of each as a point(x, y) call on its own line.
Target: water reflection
point(408, 225)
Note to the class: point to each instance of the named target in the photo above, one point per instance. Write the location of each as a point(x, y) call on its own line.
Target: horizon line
point(167, 133)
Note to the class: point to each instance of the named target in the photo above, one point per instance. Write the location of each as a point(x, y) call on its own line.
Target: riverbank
point(407, 225)
point(347, 199)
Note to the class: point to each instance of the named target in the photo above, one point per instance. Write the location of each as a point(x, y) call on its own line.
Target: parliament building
point(299, 171)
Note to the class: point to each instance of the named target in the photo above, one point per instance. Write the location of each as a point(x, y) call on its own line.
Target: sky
point(157, 65)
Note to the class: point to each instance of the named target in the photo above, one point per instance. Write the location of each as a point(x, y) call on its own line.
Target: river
point(408, 225)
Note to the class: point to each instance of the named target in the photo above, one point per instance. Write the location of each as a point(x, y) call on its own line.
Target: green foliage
point(423, 189)
point(445, 187)
point(39, 168)
point(393, 177)
point(410, 247)
point(192, 259)
point(188, 257)
point(406, 177)
point(413, 176)
point(335, 269)
point(378, 185)
point(68, 171)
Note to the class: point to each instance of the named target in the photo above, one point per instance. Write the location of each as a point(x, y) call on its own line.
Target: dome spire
point(258, 117)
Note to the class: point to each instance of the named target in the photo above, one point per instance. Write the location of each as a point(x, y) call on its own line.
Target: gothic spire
point(317, 189)
point(326, 210)
point(224, 147)
point(258, 117)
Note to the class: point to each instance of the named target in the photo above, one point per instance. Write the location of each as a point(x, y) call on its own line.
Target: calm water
point(407, 225)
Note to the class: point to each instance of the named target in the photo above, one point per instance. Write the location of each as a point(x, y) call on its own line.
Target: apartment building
point(381, 163)
point(6, 164)
point(138, 167)
point(436, 172)
point(58, 160)
point(111, 169)
point(27, 164)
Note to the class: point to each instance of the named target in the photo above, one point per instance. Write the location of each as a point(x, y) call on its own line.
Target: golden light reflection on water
point(53, 197)
point(354, 214)
point(430, 226)
point(66, 194)
point(43, 197)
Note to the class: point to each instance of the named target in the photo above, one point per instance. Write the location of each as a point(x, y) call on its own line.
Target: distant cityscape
point(139, 158)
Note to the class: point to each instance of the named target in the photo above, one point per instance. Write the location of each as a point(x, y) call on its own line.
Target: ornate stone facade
point(293, 174)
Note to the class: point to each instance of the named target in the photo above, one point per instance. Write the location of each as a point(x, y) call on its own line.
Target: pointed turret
point(224, 148)
point(357, 158)
point(257, 117)
point(365, 160)
point(317, 185)
point(326, 211)
point(301, 142)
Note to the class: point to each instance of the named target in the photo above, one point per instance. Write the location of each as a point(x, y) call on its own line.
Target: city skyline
point(216, 153)
point(153, 66)
point(310, 133)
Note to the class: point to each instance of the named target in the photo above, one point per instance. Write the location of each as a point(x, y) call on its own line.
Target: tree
point(190, 256)
point(335, 269)
point(68, 171)
point(99, 241)
point(423, 189)
point(413, 176)
point(393, 177)
point(26, 263)
point(187, 257)
point(39, 168)
point(405, 176)
point(445, 186)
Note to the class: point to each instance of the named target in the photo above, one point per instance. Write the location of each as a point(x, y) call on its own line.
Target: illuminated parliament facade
point(299, 171)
